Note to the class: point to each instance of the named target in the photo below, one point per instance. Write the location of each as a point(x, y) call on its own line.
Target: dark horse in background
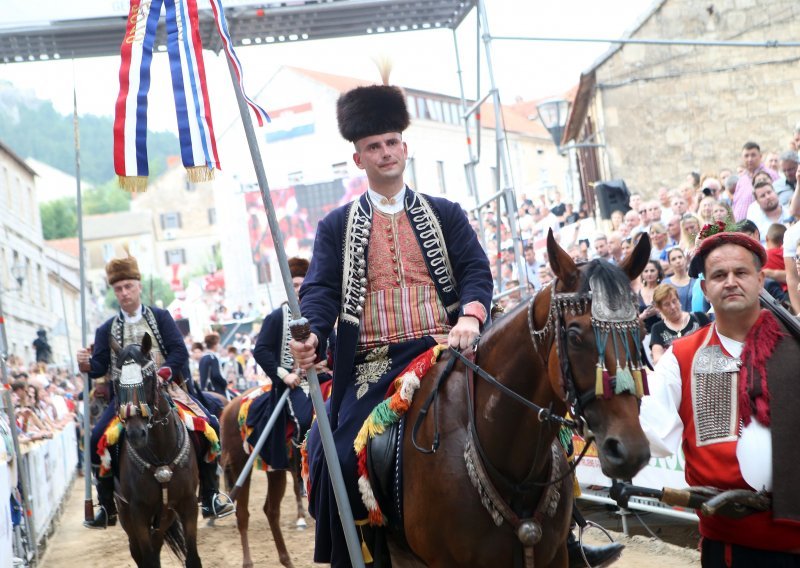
point(157, 493)
point(490, 495)
point(233, 461)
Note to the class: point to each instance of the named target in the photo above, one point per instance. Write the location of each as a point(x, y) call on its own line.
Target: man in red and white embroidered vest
point(401, 271)
point(728, 394)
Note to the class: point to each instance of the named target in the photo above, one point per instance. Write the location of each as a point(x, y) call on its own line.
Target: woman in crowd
point(722, 212)
point(617, 220)
point(652, 275)
point(690, 226)
point(676, 321)
point(705, 211)
point(680, 278)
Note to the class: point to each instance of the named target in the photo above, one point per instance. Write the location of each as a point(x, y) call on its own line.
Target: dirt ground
point(73, 545)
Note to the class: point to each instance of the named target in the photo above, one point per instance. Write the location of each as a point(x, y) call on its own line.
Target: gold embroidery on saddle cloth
point(376, 363)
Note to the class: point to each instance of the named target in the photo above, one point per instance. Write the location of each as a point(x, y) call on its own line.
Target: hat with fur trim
point(122, 269)
point(298, 267)
point(367, 111)
point(697, 264)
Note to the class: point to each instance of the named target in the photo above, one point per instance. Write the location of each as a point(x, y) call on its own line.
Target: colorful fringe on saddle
point(245, 430)
point(195, 423)
point(192, 422)
point(388, 412)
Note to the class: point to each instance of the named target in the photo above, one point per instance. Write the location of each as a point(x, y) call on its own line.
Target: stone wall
point(668, 110)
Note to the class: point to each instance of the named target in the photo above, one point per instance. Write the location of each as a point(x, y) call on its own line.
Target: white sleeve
point(659, 412)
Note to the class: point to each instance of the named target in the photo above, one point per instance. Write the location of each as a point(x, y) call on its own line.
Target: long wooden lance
point(277, 412)
point(300, 331)
point(88, 506)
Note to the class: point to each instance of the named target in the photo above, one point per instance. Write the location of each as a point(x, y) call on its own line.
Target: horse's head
point(136, 385)
point(594, 359)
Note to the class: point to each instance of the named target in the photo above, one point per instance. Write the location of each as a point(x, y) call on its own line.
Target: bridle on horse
point(134, 402)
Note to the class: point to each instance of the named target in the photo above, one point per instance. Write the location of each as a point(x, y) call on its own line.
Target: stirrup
point(230, 502)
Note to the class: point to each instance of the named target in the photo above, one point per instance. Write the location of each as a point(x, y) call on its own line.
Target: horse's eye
point(574, 336)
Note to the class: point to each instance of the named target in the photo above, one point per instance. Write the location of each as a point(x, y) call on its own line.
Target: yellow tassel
point(199, 174)
point(637, 379)
point(598, 382)
point(364, 548)
point(133, 184)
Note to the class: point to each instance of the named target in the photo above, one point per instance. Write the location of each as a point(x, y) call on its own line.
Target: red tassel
point(608, 391)
point(758, 347)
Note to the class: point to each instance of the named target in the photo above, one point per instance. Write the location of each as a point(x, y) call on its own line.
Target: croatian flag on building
point(291, 122)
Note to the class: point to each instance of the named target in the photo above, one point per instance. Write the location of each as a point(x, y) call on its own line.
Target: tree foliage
point(34, 129)
point(154, 291)
point(59, 218)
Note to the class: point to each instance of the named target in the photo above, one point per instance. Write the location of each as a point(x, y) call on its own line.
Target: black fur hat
point(367, 111)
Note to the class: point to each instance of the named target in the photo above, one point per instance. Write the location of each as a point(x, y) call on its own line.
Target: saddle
point(385, 467)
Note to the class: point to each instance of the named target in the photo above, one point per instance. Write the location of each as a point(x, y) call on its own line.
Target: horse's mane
point(605, 275)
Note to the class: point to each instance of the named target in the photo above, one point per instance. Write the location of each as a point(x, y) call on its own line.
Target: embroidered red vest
point(711, 426)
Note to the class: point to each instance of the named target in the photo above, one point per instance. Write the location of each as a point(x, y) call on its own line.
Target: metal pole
point(12, 425)
point(262, 439)
point(503, 162)
point(88, 506)
point(695, 42)
point(64, 315)
point(334, 467)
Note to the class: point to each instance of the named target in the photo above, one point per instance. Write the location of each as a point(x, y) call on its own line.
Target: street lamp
point(18, 273)
point(553, 113)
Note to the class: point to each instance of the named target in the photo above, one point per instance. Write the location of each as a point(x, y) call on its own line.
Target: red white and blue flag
point(291, 122)
point(184, 47)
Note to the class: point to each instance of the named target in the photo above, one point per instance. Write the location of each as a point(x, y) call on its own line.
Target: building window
point(171, 220)
point(411, 103)
point(339, 170)
point(495, 179)
point(175, 256)
point(422, 109)
point(440, 176)
point(455, 111)
point(212, 216)
point(189, 185)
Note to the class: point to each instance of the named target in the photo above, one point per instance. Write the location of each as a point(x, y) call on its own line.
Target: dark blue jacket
point(458, 266)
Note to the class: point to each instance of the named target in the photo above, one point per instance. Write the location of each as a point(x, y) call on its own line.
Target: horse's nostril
point(614, 450)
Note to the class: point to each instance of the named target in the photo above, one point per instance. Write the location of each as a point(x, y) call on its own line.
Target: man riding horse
point(171, 357)
point(402, 271)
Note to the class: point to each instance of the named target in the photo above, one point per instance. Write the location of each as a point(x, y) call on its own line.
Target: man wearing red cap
point(727, 394)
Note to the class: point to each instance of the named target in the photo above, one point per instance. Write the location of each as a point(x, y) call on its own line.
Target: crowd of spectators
point(757, 197)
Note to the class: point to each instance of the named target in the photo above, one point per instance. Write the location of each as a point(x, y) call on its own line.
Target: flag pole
point(88, 505)
point(300, 330)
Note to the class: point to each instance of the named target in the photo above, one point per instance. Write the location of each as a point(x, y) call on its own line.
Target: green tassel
point(565, 437)
point(598, 381)
point(624, 381)
point(637, 379)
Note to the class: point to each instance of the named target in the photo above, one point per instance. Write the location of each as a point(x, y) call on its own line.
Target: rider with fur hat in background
point(129, 326)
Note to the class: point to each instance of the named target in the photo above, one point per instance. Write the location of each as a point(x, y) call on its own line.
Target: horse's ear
point(147, 343)
point(115, 347)
point(561, 263)
point(638, 258)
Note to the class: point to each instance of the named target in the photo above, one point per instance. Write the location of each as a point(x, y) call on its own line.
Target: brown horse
point(490, 495)
point(157, 493)
point(233, 461)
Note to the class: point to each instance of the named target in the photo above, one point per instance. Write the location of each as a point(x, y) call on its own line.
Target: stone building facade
point(664, 111)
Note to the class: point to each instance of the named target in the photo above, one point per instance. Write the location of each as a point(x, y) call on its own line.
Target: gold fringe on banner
point(133, 184)
point(199, 174)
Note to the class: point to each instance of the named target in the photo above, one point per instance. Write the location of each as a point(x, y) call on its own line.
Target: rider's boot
point(107, 514)
point(595, 555)
point(213, 504)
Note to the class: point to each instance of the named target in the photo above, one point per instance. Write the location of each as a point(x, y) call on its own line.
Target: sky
point(423, 60)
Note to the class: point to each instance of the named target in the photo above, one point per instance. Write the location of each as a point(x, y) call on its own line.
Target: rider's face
point(128, 293)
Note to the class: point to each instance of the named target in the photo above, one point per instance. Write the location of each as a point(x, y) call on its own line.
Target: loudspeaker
point(612, 195)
